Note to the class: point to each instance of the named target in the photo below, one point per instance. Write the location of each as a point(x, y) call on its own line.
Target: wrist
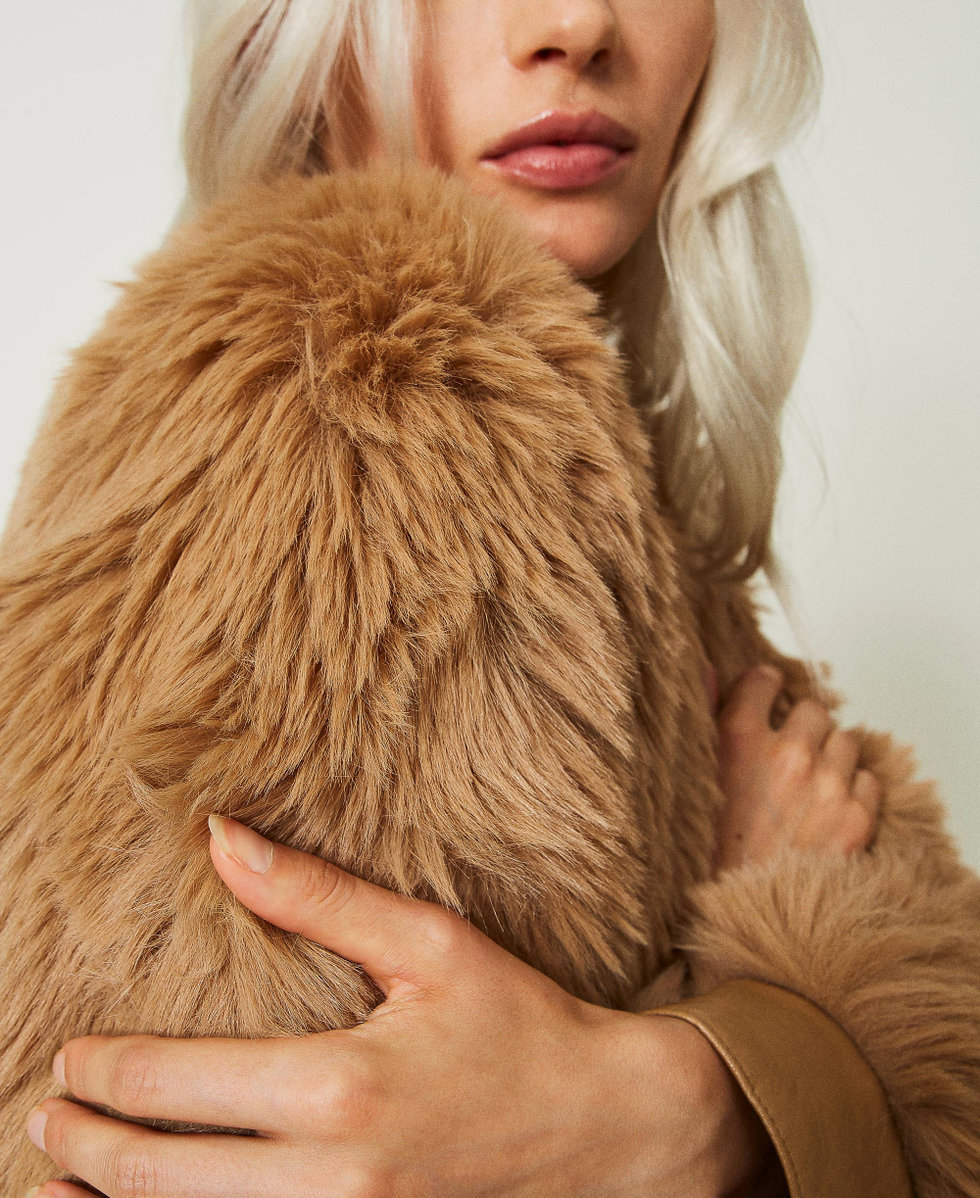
point(748, 1160)
point(733, 1149)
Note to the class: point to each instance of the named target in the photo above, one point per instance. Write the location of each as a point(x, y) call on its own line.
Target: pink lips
point(563, 150)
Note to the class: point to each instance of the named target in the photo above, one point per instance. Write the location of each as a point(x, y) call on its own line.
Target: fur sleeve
point(887, 944)
point(330, 528)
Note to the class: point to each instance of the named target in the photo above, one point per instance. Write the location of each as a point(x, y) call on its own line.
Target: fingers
point(401, 941)
point(226, 1083)
point(841, 752)
point(810, 721)
point(749, 706)
point(866, 792)
point(122, 1158)
point(799, 786)
point(59, 1189)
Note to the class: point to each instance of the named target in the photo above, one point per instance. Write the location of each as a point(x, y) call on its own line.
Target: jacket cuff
point(818, 1098)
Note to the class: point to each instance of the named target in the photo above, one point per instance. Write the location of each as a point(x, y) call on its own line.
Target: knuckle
point(869, 785)
point(845, 748)
point(793, 758)
point(348, 1102)
point(857, 828)
point(443, 930)
point(132, 1080)
point(370, 1183)
point(811, 708)
point(322, 888)
point(331, 1099)
point(831, 789)
point(131, 1173)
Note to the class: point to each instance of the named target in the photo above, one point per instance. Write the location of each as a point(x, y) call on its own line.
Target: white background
point(884, 546)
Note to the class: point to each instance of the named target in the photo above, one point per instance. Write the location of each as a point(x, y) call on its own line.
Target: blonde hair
point(713, 303)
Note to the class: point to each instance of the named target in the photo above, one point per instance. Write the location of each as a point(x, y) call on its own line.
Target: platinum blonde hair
point(713, 303)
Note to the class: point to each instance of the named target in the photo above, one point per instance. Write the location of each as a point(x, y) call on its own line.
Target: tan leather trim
point(818, 1098)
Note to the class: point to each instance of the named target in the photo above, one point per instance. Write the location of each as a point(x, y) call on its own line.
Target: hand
point(476, 1075)
point(796, 787)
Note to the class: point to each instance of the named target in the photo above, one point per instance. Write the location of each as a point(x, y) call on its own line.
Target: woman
point(592, 205)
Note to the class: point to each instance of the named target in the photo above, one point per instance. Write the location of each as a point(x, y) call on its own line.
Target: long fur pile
point(344, 525)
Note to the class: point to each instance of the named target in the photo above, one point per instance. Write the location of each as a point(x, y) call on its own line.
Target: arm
point(889, 958)
point(795, 786)
point(886, 945)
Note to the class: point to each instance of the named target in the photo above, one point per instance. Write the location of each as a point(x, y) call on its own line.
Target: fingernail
point(772, 672)
point(252, 851)
point(36, 1122)
point(33, 1193)
point(58, 1068)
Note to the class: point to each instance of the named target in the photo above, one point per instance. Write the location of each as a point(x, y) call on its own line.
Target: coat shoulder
point(381, 278)
point(383, 310)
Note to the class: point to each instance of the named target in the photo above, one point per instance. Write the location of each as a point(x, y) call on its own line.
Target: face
point(568, 111)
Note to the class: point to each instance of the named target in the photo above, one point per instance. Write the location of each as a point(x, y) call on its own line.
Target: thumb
point(401, 942)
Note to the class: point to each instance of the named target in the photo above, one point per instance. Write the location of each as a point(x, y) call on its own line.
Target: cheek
point(675, 61)
point(451, 81)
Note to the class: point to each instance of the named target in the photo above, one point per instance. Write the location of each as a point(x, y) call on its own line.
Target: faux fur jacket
point(344, 524)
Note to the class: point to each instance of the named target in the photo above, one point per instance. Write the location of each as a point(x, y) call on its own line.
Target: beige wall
point(886, 552)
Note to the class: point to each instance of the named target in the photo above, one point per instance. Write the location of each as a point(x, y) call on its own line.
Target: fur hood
point(344, 524)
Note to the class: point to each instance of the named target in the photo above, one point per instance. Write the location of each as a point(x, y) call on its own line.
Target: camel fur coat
point(344, 525)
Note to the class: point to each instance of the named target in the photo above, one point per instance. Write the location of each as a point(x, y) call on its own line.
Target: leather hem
point(818, 1098)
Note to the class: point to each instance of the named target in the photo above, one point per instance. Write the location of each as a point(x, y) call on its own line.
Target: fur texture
point(344, 525)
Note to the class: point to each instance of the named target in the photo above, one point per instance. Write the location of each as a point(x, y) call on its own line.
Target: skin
point(639, 62)
point(444, 1089)
point(798, 787)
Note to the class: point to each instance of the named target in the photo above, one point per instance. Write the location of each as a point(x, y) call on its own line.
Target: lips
point(552, 128)
point(562, 150)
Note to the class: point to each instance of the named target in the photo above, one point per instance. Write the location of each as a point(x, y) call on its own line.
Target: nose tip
point(579, 33)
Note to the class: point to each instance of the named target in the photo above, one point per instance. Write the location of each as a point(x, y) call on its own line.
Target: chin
point(586, 257)
point(588, 233)
point(588, 241)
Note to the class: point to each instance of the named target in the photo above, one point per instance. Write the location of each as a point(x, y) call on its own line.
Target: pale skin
point(799, 787)
point(477, 1074)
